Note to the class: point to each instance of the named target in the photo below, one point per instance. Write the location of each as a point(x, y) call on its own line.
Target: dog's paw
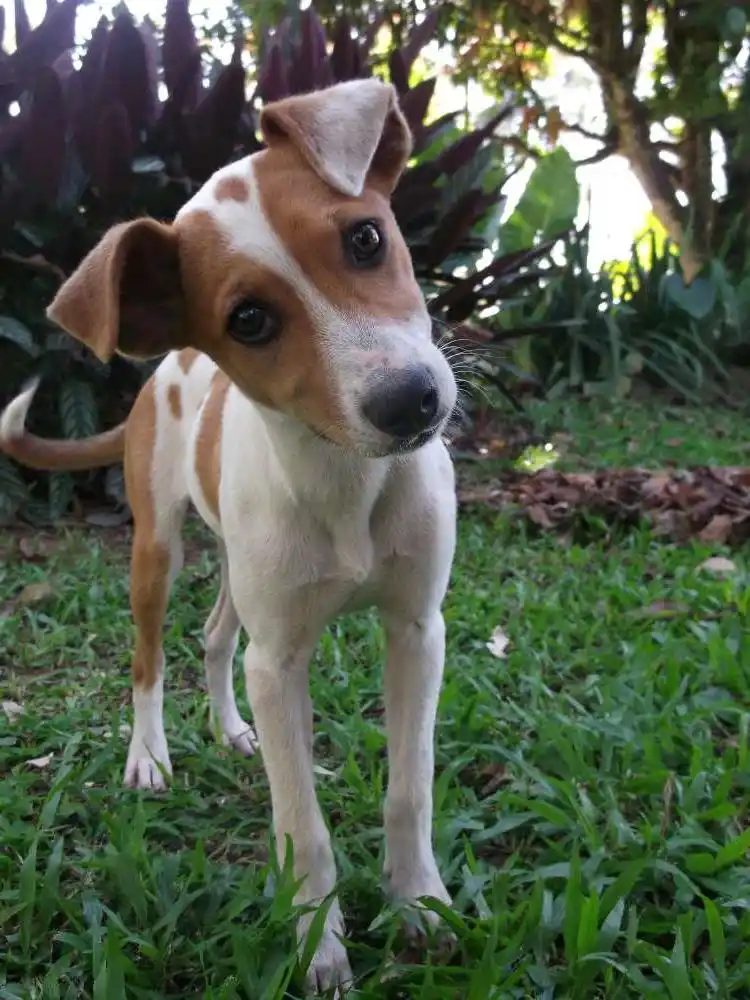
point(244, 742)
point(329, 967)
point(147, 771)
point(423, 927)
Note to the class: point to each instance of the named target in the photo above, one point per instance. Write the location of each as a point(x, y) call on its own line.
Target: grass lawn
point(591, 814)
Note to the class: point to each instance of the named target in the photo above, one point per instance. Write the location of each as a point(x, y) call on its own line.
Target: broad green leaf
point(696, 299)
point(14, 331)
point(78, 410)
point(548, 205)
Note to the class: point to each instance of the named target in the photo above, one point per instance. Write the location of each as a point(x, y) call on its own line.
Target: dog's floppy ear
point(126, 294)
point(350, 134)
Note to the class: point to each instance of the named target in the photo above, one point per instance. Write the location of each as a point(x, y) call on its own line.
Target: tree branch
point(602, 154)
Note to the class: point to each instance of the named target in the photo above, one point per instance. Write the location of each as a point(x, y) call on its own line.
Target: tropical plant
point(636, 318)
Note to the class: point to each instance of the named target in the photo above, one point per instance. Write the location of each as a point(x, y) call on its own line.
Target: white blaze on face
point(350, 340)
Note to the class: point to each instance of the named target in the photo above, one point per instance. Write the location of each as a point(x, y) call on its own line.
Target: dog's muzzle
point(405, 405)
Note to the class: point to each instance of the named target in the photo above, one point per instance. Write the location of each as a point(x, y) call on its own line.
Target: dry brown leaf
point(12, 710)
point(40, 762)
point(718, 529)
point(663, 609)
point(718, 565)
point(498, 643)
point(35, 593)
point(540, 515)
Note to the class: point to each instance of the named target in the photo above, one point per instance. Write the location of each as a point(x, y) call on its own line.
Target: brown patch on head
point(208, 442)
point(174, 398)
point(290, 373)
point(232, 189)
point(309, 218)
point(187, 358)
point(149, 573)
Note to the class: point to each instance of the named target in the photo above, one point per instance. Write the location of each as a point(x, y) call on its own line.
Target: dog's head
point(288, 269)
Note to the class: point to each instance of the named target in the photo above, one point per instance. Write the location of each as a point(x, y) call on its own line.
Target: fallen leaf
point(12, 709)
point(35, 593)
point(674, 442)
point(540, 515)
point(663, 609)
point(498, 643)
point(718, 529)
point(40, 762)
point(718, 565)
point(32, 550)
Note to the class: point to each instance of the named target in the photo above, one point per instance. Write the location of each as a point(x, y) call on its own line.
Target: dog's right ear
point(126, 295)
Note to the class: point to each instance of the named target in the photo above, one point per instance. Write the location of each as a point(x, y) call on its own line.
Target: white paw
point(329, 967)
point(420, 922)
point(144, 770)
point(244, 742)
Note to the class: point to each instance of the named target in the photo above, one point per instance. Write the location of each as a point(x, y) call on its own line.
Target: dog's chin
point(380, 449)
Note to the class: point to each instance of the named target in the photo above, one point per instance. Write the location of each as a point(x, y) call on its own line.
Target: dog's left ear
point(351, 134)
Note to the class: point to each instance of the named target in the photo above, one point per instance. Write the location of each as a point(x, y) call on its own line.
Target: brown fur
point(289, 373)
point(208, 442)
point(70, 456)
point(174, 398)
point(187, 358)
point(297, 202)
point(149, 571)
point(232, 189)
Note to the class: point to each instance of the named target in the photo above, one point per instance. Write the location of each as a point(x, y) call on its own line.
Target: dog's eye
point(365, 244)
point(253, 323)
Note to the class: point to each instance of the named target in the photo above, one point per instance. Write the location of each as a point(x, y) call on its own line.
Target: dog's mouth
point(406, 445)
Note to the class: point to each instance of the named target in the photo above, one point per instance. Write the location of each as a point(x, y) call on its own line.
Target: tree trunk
point(636, 146)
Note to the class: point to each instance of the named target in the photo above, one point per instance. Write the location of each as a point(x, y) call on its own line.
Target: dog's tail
point(55, 455)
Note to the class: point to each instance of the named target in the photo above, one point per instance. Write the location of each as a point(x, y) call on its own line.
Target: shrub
point(95, 143)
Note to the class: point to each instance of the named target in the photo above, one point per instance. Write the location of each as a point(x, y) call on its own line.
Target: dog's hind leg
point(155, 487)
point(222, 633)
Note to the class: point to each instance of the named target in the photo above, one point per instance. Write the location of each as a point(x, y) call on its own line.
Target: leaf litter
point(708, 503)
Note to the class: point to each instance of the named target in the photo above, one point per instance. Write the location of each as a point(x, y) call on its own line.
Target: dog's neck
point(318, 473)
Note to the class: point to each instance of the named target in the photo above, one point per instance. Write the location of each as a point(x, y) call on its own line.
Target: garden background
point(577, 210)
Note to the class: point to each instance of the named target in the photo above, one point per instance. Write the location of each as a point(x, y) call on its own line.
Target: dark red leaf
point(151, 47)
point(344, 57)
point(43, 149)
point(453, 227)
point(213, 126)
point(459, 300)
point(45, 44)
point(111, 170)
point(428, 133)
point(313, 55)
point(420, 35)
point(125, 74)
point(23, 28)
point(460, 152)
point(411, 203)
point(2, 30)
point(273, 84)
point(415, 102)
point(179, 51)
point(399, 71)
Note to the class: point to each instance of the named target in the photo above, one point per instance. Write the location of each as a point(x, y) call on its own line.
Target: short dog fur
point(299, 408)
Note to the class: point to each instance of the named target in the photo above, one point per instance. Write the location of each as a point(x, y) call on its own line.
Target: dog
point(300, 407)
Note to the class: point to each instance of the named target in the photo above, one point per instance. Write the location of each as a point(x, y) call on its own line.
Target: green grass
point(596, 433)
point(591, 799)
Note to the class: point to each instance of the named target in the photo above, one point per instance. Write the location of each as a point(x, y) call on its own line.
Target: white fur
point(13, 417)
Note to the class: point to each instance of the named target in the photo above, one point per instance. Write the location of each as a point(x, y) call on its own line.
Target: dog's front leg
point(413, 674)
point(278, 691)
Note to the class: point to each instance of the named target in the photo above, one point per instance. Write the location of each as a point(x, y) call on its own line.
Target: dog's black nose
point(404, 403)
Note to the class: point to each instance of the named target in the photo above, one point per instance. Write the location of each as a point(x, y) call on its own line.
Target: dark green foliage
point(94, 145)
point(637, 319)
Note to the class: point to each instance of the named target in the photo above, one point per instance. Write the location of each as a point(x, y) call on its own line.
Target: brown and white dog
point(300, 409)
